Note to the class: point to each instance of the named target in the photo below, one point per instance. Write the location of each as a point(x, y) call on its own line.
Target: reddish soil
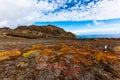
point(42, 67)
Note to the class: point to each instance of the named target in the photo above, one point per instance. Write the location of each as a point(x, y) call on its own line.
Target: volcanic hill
point(35, 32)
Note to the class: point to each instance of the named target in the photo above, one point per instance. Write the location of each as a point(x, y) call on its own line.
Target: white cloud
point(97, 23)
point(105, 9)
point(18, 12)
point(4, 23)
point(101, 29)
point(25, 12)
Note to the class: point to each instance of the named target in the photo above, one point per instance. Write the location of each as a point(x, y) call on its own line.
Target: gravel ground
point(20, 68)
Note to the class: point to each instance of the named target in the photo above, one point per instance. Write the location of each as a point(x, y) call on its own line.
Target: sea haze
point(99, 36)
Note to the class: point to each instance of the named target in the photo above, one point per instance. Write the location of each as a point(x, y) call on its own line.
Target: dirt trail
point(10, 43)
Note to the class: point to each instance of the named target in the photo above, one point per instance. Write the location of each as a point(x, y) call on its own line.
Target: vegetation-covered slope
point(64, 60)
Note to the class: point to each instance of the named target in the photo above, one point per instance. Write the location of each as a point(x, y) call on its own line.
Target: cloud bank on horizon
point(27, 12)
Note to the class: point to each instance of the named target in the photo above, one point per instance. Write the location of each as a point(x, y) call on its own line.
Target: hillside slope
point(33, 32)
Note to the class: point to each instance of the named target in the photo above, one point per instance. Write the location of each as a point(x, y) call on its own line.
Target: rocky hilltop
point(34, 32)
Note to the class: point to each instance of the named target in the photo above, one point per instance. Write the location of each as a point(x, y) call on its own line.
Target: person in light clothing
point(105, 48)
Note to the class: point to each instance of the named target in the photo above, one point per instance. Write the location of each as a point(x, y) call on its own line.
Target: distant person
point(46, 36)
point(105, 48)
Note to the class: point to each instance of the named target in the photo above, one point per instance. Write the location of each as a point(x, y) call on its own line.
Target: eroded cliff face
point(33, 31)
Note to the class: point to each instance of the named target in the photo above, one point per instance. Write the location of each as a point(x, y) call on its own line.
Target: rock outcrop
point(34, 32)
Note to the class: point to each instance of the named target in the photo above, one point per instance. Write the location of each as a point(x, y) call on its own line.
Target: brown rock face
point(33, 31)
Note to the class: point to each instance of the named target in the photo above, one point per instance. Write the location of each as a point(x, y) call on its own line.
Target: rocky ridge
point(34, 32)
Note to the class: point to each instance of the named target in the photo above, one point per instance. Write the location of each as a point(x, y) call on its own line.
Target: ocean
point(99, 36)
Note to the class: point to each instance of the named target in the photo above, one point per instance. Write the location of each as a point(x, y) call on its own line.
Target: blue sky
point(88, 27)
point(77, 16)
